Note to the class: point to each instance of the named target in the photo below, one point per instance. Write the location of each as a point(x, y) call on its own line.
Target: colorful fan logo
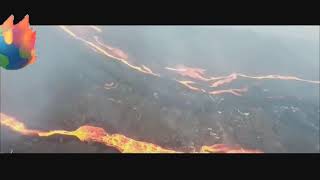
point(16, 44)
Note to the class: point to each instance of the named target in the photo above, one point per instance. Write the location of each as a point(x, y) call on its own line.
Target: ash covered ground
point(64, 89)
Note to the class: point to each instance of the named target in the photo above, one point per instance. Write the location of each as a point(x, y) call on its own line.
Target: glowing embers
point(222, 148)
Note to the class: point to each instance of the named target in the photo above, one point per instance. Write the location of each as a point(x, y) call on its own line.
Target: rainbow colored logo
point(16, 44)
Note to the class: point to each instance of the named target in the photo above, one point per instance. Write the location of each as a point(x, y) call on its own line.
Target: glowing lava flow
point(117, 52)
point(199, 74)
point(279, 77)
point(222, 148)
point(235, 92)
point(194, 73)
point(226, 80)
point(110, 52)
point(214, 82)
point(189, 86)
point(234, 76)
point(120, 142)
point(102, 48)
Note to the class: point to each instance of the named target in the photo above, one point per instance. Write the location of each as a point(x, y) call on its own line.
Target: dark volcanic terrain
point(65, 90)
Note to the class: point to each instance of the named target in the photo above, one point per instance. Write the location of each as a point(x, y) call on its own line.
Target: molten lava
point(280, 78)
point(226, 80)
point(189, 86)
point(236, 92)
point(120, 142)
point(196, 74)
point(110, 52)
point(222, 148)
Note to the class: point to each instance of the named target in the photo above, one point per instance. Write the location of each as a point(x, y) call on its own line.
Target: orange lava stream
point(120, 142)
point(110, 52)
point(234, 76)
point(189, 86)
point(195, 73)
point(226, 80)
point(190, 72)
point(119, 55)
point(213, 82)
point(222, 148)
point(279, 77)
point(199, 74)
point(117, 52)
point(235, 92)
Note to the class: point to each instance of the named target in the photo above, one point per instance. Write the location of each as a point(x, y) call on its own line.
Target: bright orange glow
point(226, 80)
point(236, 92)
point(16, 125)
point(189, 86)
point(195, 73)
point(110, 52)
point(279, 77)
point(116, 52)
point(120, 142)
point(234, 76)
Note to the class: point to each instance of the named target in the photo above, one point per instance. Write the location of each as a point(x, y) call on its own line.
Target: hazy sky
point(305, 32)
